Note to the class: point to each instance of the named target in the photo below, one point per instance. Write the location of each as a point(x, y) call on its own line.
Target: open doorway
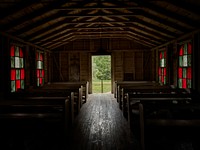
point(101, 74)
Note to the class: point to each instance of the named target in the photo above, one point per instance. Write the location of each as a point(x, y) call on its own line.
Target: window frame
point(17, 68)
point(162, 66)
point(184, 70)
point(40, 74)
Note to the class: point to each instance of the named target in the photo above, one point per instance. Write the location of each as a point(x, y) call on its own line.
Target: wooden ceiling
point(50, 24)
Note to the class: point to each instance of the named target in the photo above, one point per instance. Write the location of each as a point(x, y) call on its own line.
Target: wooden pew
point(84, 84)
point(130, 85)
point(161, 110)
point(46, 93)
point(38, 110)
point(118, 84)
point(76, 88)
point(145, 90)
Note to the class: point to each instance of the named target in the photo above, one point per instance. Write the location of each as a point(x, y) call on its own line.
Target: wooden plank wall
point(139, 69)
point(64, 65)
point(85, 68)
point(129, 65)
point(70, 66)
point(196, 57)
point(118, 66)
point(133, 66)
point(132, 63)
point(55, 68)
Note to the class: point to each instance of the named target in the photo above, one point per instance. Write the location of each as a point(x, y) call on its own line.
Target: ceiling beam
point(96, 34)
point(99, 8)
point(187, 5)
point(22, 41)
point(177, 39)
point(37, 24)
point(165, 22)
point(69, 24)
point(180, 18)
point(126, 26)
point(32, 15)
point(17, 7)
point(57, 16)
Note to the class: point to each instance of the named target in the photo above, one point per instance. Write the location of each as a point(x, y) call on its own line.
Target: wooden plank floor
point(101, 126)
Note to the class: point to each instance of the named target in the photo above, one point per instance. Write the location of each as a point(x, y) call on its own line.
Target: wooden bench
point(76, 88)
point(51, 92)
point(33, 111)
point(145, 90)
point(164, 110)
point(131, 85)
point(117, 85)
point(83, 84)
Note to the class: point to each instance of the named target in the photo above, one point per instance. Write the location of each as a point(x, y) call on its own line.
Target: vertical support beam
point(134, 66)
point(141, 113)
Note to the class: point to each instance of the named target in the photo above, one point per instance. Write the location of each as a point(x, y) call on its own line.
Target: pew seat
point(152, 111)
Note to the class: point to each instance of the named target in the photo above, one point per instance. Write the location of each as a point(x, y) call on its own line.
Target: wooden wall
point(129, 61)
point(133, 66)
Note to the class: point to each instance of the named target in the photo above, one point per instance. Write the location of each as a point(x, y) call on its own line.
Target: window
point(40, 68)
point(162, 67)
point(184, 69)
point(17, 68)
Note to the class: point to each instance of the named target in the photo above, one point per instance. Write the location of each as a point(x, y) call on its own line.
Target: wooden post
point(101, 86)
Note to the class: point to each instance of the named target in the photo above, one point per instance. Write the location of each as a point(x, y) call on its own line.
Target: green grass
point(97, 88)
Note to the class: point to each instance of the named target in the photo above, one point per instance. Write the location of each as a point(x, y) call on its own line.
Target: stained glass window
point(162, 67)
point(185, 70)
point(40, 68)
point(17, 73)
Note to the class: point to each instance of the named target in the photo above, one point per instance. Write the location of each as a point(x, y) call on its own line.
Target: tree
point(102, 67)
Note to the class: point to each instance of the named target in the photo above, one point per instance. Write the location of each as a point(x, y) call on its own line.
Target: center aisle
point(101, 126)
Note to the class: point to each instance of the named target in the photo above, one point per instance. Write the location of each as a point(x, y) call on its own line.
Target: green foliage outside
point(101, 67)
point(101, 73)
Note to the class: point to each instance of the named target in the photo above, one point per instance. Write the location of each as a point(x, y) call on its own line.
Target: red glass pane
point(40, 80)
point(18, 84)
point(189, 73)
point(43, 73)
point(160, 55)
point(180, 73)
point(38, 73)
point(164, 71)
point(12, 51)
point(22, 74)
point(181, 51)
point(41, 56)
point(159, 71)
point(184, 84)
point(13, 74)
point(164, 54)
point(37, 53)
point(20, 52)
point(162, 80)
point(189, 48)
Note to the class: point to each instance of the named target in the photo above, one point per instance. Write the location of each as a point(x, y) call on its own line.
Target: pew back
point(161, 110)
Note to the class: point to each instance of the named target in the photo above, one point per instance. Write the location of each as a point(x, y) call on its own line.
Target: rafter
point(16, 8)
point(179, 18)
point(69, 24)
point(34, 14)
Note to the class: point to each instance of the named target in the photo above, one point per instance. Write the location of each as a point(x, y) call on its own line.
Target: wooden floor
point(101, 126)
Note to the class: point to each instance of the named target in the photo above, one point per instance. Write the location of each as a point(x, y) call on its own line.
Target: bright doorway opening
point(101, 74)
